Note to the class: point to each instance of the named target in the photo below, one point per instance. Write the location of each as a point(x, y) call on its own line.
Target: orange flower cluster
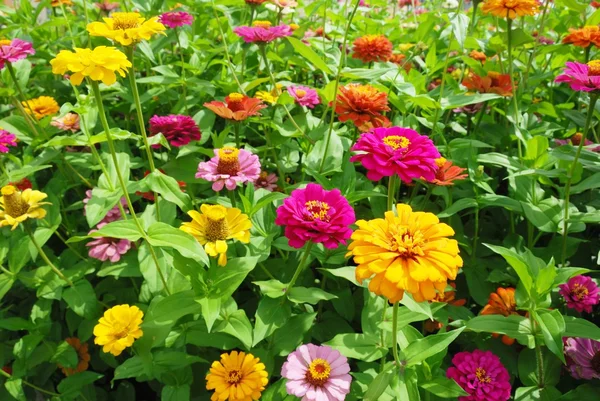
point(510, 8)
point(363, 105)
point(502, 302)
point(370, 48)
point(494, 82)
point(583, 37)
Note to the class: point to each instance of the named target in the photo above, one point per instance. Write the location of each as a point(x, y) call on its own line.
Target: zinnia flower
point(370, 48)
point(99, 64)
point(317, 373)
point(22, 185)
point(113, 214)
point(576, 139)
point(266, 181)
point(83, 357)
point(581, 293)
point(118, 328)
point(386, 152)
point(408, 252)
point(6, 139)
point(583, 358)
point(126, 28)
point(107, 5)
point(178, 129)
point(494, 82)
point(362, 104)
point(502, 302)
point(237, 377)
point(314, 214)
point(174, 19)
point(262, 32)
point(68, 122)
point(510, 8)
point(304, 96)
point(447, 173)
point(106, 248)
point(481, 374)
point(41, 107)
point(229, 166)
point(57, 3)
point(582, 77)
point(14, 50)
point(285, 3)
point(215, 225)
point(583, 37)
point(16, 207)
point(237, 107)
point(269, 97)
point(477, 55)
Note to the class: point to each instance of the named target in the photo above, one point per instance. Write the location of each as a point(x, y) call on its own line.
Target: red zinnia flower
point(494, 82)
point(362, 104)
point(372, 48)
point(22, 185)
point(237, 107)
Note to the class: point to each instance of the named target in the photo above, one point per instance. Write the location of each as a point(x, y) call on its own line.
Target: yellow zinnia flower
point(126, 28)
point(215, 226)
point(510, 8)
point(407, 252)
point(99, 64)
point(16, 207)
point(237, 377)
point(118, 328)
point(41, 107)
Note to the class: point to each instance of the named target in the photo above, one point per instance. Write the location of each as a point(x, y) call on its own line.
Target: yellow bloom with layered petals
point(510, 8)
point(126, 28)
point(118, 328)
point(409, 252)
point(215, 225)
point(41, 107)
point(237, 377)
point(99, 64)
point(16, 207)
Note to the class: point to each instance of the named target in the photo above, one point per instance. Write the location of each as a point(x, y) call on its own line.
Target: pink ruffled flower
point(314, 214)
point(304, 95)
point(14, 50)
point(266, 181)
point(178, 129)
point(106, 248)
point(581, 293)
point(317, 373)
point(6, 139)
point(68, 122)
point(583, 358)
point(582, 77)
point(174, 19)
point(396, 151)
point(229, 167)
point(113, 214)
point(482, 375)
point(262, 33)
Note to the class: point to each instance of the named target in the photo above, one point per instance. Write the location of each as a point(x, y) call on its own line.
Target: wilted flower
point(583, 357)
point(583, 37)
point(174, 19)
point(126, 28)
point(494, 82)
point(68, 122)
point(304, 96)
point(14, 50)
point(178, 129)
point(510, 8)
point(118, 328)
point(107, 248)
point(266, 181)
point(16, 206)
point(237, 107)
point(581, 77)
point(99, 64)
point(447, 173)
point(83, 357)
point(370, 48)
point(41, 107)
point(229, 167)
point(262, 32)
point(237, 377)
point(580, 293)
point(362, 104)
point(6, 139)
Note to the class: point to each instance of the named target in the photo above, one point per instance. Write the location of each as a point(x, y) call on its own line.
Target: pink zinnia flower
point(68, 122)
point(14, 50)
point(229, 166)
point(107, 5)
point(304, 95)
point(580, 293)
point(266, 181)
point(113, 214)
point(314, 214)
point(396, 151)
point(582, 77)
point(262, 32)
point(106, 248)
point(576, 139)
point(583, 358)
point(6, 139)
point(316, 372)
point(482, 375)
point(174, 19)
point(178, 129)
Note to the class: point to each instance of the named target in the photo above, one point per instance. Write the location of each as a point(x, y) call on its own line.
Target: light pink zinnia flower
point(304, 95)
point(285, 3)
point(581, 293)
point(68, 122)
point(582, 77)
point(396, 151)
point(317, 373)
point(266, 181)
point(106, 248)
point(113, 214)
point(14, 50)
point(262, 32)
point(229, 166)
point(6, 139)
point(174, 19)
point(178, 129)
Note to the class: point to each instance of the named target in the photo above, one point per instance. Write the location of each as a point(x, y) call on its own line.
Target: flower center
point(318, 372)
point(125, 20)
point(228, 161)
point(14, 205)
point(300, 93)
point(440, 162)
point(216, 229)
point(482, 375)
point(317, 210)
point(261, 24)
point(235, 97)
point(594, 67)
point(407, 244)
point(234, 377)
point(596, 362)
point(5, 42)
point(396, 141)
point(579, 292)
point(577, 138)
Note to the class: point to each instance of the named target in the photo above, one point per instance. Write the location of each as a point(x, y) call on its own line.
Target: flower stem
point(532, 54)
point(395, 333)
point(236, 132)
point(33, 386)
point(538, 353)
point(184, 88)
point(46, 259)
point(588, 122)
point(300, 267)
point(28, 117)
point(227, 57)
point(391, 191)
point(512, 84)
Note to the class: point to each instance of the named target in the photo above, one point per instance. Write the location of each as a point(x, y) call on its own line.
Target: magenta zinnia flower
point(583, 358)
point(482, 375)
point(6, 139)
point(262, 32)
point(317, 373)
point(106, 248)
point(314, 214)
point(14, 50)
point(229, 166)
point(396, 151)
point(304, 95)
point(580, 293)
point(174, 19)
point(178, 129)
point(113, 214)
point(582, 77)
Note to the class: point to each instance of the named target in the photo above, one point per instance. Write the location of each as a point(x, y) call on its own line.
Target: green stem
point(382, 333)
point(62, 7)
point(46, 259)
point(512, 84)
point(33, 386)
point(300, 267)
point(391, 191)
point(184, 88)
point(29, 117)
point(395, 333)
point(232, 198)
point(538, 353)
point(532, 55)
point(227, 57)
point(236, 132)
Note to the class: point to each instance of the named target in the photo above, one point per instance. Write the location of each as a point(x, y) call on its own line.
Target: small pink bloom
point(178, 129)
point(304, 95)
point(6, 139)
point(14, 51)
point(266, 181)
point(174, 19)
point(317, 373)
point(105, 248)
point(583, 357)
point(68, 122)
point(582, 77)
point(113, 214)
point(229, 167)
point(262, 34)
point(581, 293)
point(285, 3)
point(107, 5)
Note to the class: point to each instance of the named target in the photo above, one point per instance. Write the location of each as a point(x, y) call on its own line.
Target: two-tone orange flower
point(236, 107)
point(583, 37)
point(363, 105)
point(447, 173)
point(494, 82)
point(510, 8)
point(370, 48)
point(502, 302)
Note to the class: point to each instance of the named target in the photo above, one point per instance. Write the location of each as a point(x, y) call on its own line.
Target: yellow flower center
point(235, 97)
point(318, 372)
point(228, 161)
point(125, 20)
point(408, 244)
point(294, 27)
point(396, 141)
point(262, 24)
point(14, 205)
point(317, 210)
point(482, 375)
point(300, 93)
point(579, 291)
point(5, 42)
point(216, 229)
point(234, 377)
point(594, 67)
point(440, 162)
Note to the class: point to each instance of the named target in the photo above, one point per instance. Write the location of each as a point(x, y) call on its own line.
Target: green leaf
point(169, 189)
point(176, 393)
point(267, 200)
point(126, 229)
point(287, 338)
point(72, 385)
point(271, 314)
point(517, 262)
point(132, 367)
point(309, 54)
point(459, 22)
point(211, 307)
point(443, 388)
point(577, 327)
point(82, 300)
point(272, 288)
point(333, 158)
point(225, 280)
point(537, 394)
point(65, 355)
point(514, 326)
point(310, 295)
point(164, 235)
point(346, 272)
point(418, 307)
point(238, 325)
point(405, 387)
point(6, 282)
point(358, 346)
point(380, 383)
point(14, 387)
point(419, 350)
point(459, 205)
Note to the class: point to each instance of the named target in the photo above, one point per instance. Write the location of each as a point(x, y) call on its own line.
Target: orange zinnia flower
point(82, 354)
point(510, 8)
point(502, 302)
point(477, 55)
point(447, 297)
point(372, 48)
point(448, 173)
point(400, 59)
point(362, 104)
point(583, 37)
point(237, 107)
point(494, 82)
